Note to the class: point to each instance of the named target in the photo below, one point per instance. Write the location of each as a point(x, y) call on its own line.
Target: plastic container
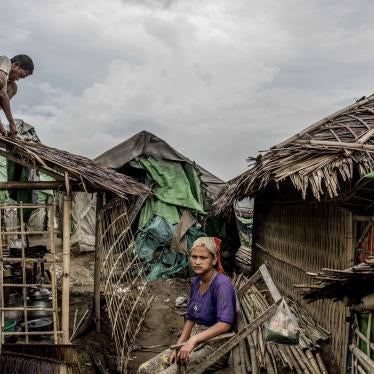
point(10, 325)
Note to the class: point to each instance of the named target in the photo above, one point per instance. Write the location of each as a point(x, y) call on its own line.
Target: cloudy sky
point(217, 79)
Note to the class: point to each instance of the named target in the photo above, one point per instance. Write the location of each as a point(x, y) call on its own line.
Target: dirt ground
point(161, 327)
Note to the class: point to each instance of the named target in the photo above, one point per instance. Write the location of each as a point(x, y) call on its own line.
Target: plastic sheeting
point(147, 144)
point(174, 190)
point(153, 247)
point(84, 221)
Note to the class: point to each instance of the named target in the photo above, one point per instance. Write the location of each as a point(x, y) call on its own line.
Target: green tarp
point(153, 247)
point(176, 187)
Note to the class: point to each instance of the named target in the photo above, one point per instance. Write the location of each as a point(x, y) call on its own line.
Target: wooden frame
point(21, 232)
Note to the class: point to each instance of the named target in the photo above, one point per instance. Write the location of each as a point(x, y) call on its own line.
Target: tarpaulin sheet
point(153, 247)
point(147, 144)
point(173, 188)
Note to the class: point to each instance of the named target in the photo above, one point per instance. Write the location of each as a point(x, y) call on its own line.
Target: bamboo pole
point(328, 143)
point(98, 259)
point(66, 268)
point(51, 213)
point(32, 185)
point(24, 280)
point(321, 364)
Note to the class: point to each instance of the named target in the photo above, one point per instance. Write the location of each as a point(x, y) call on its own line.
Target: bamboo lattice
point(294, 238)
point(123, 279)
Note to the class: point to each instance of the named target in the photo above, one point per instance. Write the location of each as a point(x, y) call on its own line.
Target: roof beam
point(32, 185)
point(327, 143)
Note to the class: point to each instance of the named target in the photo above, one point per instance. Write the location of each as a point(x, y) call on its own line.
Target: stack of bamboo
point(255, 354)
point(355, 282)
point(243, 258)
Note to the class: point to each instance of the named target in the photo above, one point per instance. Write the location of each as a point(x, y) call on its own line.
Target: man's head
point(22, 66)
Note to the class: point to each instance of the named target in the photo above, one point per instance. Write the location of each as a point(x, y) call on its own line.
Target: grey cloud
point(219, 80)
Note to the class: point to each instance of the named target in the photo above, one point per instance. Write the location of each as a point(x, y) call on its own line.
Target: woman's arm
point(186, 332)
point(185, 335)
point(217, 329)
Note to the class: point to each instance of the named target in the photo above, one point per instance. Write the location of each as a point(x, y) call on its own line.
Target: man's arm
point(5, 102)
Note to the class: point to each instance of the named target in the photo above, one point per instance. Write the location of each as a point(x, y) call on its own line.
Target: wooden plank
point(270, 283)
point(218, 337)
point(363, 218)
point(66, 269)
point(32, 185)
point(250, 282)
point(233, 342)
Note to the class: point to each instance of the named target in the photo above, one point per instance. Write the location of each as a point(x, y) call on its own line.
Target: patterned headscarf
point(213, 245)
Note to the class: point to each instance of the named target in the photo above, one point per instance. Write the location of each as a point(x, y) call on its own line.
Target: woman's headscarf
point(213, 245)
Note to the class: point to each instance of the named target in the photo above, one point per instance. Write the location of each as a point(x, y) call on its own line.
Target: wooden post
point(98, 254)
point(2, 322)
point(66, 268)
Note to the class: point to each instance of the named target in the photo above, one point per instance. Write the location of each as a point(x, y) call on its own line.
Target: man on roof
point(12, 70)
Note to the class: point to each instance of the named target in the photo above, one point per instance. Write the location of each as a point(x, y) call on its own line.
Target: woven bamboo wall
point(299, 237)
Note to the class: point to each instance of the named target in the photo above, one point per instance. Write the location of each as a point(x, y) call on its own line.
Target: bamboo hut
point(180, 209)
point(114, 243)
point(300, 224)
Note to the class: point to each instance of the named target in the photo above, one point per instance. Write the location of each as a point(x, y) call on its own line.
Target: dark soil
point(161, 328)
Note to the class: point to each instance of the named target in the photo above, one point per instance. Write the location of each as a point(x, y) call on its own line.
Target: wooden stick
point(98, 260)
point(52, 240)
point(24, 279)
point(36, 185)
point(24, 333)
point(321, 364)
point(218, 337)
point(66, 268)
point(364, 147)
point(363, 218)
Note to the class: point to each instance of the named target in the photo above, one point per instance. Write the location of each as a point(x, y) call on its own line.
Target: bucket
point(9, 325)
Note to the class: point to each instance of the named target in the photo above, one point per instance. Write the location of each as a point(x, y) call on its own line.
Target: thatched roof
point(316, 160)
point(75, 169)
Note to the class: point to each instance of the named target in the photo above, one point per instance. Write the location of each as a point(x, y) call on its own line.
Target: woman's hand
point(186, 349)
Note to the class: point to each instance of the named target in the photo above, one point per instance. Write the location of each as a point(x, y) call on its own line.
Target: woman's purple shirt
point(217, 304)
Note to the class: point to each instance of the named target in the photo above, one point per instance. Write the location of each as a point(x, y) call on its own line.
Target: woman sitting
point(211, 311)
